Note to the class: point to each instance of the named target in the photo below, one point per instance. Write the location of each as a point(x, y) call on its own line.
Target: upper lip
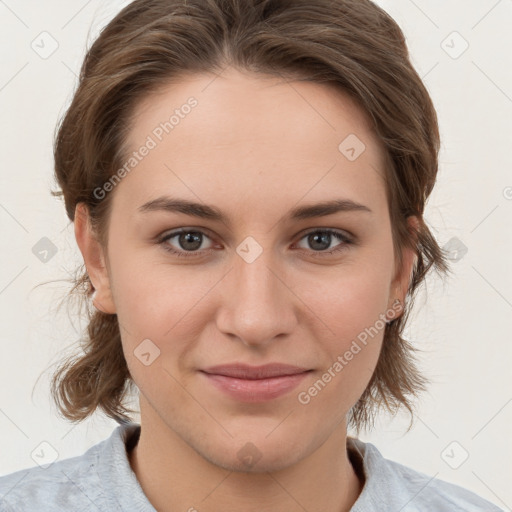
point(243, 371)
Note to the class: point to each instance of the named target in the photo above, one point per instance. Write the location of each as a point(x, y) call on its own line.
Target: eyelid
point(342, 232)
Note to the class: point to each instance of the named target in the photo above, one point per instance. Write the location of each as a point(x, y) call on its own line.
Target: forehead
point(251, 136)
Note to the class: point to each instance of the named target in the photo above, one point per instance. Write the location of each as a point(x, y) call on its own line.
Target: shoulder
point(68, 484)
point(430, 493)
point(400, 487)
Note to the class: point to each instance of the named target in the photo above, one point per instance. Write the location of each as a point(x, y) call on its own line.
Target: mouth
point(255, 383)
point(244, 371)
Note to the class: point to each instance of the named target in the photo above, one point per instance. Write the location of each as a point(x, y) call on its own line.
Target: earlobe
point(94, 259)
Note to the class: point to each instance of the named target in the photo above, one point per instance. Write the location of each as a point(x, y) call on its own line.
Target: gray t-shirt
point(102, 480)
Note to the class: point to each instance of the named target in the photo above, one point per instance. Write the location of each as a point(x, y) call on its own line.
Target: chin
point(250, 459)
point(255, 453)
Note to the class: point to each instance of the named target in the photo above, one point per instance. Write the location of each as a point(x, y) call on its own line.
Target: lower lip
point(259, 390)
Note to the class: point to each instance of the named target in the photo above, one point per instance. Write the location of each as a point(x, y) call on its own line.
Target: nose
point(257, 304)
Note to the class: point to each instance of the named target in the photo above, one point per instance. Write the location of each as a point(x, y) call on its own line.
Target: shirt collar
point(382, 485)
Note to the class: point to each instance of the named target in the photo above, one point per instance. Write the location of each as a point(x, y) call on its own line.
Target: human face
point(257, 287)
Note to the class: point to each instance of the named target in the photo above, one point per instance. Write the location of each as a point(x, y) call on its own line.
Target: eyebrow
point(204, 211)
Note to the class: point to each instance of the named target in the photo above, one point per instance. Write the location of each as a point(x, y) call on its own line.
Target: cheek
point(350, 347)
point(351, 304)
point(151, 296)
point(165, 305)
point(358, 307)
point(349, 298)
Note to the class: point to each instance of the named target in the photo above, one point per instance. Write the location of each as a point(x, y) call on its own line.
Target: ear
point(402, 280)
point(94, 259)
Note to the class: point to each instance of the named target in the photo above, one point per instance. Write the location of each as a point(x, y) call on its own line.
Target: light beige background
point(464, 326)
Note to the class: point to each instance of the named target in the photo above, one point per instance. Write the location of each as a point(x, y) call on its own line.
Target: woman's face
point(262, 285)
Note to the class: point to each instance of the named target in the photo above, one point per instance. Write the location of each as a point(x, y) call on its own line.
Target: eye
point(320, 240)
point(188, 241)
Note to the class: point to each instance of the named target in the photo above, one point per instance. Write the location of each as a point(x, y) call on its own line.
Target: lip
point(245, 371)
point(255, 383)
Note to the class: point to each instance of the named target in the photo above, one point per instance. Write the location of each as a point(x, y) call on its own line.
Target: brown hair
point(352, 44)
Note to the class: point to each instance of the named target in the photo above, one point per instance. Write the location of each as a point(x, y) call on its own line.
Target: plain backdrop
point(463, 326)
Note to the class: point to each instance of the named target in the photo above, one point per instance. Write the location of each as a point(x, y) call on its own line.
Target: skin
point(254, 147)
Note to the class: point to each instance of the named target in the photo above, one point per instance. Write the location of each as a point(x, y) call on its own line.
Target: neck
point(174, 476)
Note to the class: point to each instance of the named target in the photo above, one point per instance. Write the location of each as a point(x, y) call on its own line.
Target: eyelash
point(191, 254)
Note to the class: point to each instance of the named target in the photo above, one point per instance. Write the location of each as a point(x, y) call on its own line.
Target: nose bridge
point(257, 306)
point(256, 283)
